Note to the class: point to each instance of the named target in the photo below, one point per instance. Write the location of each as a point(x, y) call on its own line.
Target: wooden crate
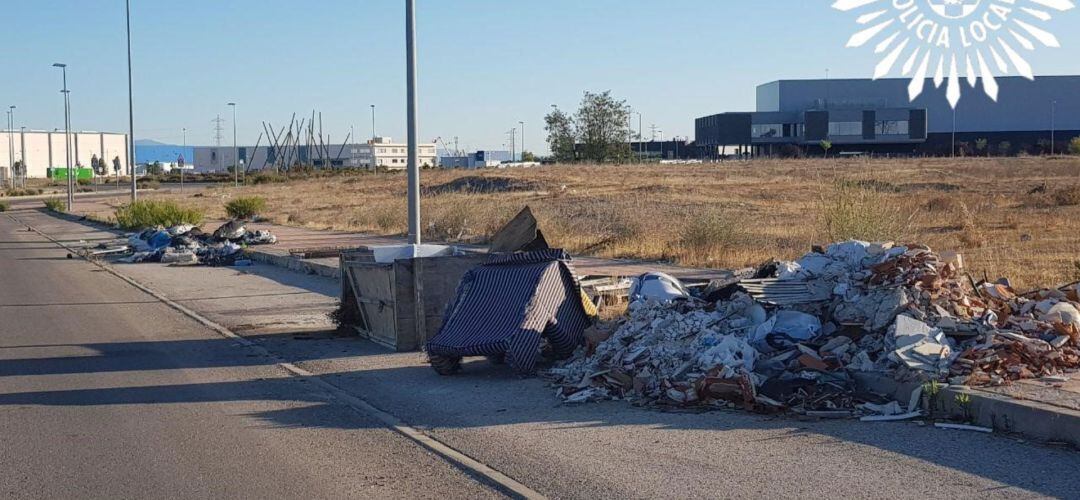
point(384, 296)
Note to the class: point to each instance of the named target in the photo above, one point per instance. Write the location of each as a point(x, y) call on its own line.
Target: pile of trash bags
point(795, 335)
point(187, 244)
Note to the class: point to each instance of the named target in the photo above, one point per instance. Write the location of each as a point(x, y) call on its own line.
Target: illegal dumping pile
point(793, 337)
point(187, 244)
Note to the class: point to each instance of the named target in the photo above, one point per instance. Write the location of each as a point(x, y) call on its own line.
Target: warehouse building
point(479, 159)
point(40, 150)
point(382, 152)
point(875, 116)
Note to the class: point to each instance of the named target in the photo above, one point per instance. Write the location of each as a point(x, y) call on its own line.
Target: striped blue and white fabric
point(508, 304)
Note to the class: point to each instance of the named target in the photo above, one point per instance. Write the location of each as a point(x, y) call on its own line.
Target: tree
point(1074, 146)
point(602, 125)
point(562, 135)
point(983, 145)
point(528, 156)
point(964, 148)
point(155, 168)
point(826, 145)
point(1005, 148)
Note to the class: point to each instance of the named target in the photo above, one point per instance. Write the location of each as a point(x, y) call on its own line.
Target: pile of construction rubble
point(794, 336)
point(186, 244)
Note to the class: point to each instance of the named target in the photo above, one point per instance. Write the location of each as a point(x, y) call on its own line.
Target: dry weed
point(779, 208)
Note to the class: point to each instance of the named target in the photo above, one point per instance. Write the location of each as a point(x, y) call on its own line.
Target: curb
point(294, 264)
point(1039, 421)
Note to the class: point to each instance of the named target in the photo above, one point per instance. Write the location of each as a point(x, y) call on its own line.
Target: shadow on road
point(488, 396)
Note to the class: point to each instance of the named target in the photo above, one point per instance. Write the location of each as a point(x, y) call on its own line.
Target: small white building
point(384, 153)
point(40, 150)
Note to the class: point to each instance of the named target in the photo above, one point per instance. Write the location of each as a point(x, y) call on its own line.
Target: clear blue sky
point(484, 64)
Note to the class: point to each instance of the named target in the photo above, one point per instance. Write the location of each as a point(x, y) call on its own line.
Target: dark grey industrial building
point(868, 116)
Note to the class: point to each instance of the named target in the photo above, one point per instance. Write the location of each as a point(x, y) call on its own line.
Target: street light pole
point(522, 140)
point(953, 154)
point(11, 144)
point(182, 151)
point(67, 135)
point(414, 152)
point(513, 145)
point(374, 164)
point(236, 153)
point(131, 111)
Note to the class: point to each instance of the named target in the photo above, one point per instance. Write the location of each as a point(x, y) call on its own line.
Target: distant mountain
point(150, 142)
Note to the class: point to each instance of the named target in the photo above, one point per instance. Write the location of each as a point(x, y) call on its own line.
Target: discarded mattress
point(506, 306)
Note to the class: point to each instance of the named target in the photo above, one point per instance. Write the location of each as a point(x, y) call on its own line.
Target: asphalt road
point(136, 392)
point(107, 393)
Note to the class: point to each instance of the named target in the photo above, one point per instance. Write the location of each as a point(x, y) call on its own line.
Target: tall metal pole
point(954, 132)
point(522, 140)
point(131, 111)
point(182, 151)
point(68, 144)
point(235, 151)
point(513, 145)
point(11, 144)
point(67, 134)
point(414, 147)
point(374, 164)
point(22, 153)
point(373, 133)
point(1053, 125)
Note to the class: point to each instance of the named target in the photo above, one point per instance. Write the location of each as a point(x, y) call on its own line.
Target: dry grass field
point(1012, 217)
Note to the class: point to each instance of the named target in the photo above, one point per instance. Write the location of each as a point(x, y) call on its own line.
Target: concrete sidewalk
point(607, 450)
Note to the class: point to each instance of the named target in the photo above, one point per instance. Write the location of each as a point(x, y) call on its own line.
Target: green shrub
point(4, 206)
point(245, 207)
point(56, 205)
point(708, 236)
point(152, 213)
point(854, 210)
point(24, 192)
point(266, 178)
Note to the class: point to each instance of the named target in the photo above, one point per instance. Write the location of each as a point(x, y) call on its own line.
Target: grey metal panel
point(725, 129)
point(817, 125)
point(1022, 105)
point(774, 118)
point(768, 97)
point(869, 119)
point(917, 125)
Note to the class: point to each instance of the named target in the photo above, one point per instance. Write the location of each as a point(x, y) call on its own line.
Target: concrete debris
point(904, 311)
point(962, 427)
point(658, 287)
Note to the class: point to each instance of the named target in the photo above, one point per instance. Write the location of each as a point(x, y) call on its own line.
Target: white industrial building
point(381, 152)
point(40, 150)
